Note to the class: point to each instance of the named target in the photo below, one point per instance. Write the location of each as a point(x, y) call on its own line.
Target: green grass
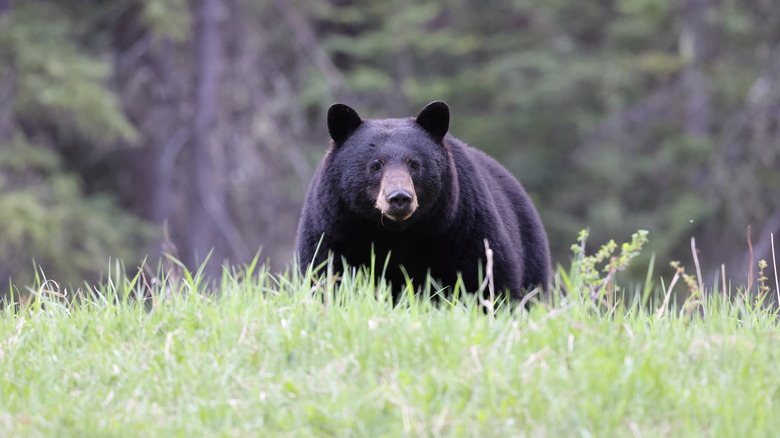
point(267, 357)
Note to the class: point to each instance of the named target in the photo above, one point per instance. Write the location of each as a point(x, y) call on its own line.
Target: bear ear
point(435, 118)
point(342, 122)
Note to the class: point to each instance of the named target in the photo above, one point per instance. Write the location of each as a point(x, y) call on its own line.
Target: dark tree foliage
point(56, 107)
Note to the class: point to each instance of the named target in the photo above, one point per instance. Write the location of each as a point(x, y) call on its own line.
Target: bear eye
point(414, 165)
point(375, 166)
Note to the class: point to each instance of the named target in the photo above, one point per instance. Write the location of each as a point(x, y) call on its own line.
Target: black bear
point(408, 189)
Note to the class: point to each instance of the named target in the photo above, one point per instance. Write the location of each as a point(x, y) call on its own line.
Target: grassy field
point(284, 355)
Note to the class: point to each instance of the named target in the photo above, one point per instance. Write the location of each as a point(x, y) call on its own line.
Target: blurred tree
point(54, 93)
point(7, 79)
point(215, 105)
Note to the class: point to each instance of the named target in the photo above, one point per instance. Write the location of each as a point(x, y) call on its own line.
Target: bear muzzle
point(397, 199)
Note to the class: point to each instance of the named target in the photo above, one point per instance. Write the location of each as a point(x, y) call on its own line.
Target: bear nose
point(400, 199)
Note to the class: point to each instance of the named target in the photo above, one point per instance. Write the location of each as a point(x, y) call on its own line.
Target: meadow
point(262, 354)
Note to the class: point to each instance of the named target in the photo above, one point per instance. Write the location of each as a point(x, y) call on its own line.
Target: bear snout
point(397, 199)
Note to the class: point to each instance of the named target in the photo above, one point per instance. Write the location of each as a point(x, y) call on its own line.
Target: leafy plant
point(596, 273)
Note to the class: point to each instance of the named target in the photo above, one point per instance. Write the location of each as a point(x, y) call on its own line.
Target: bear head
point(391, 172)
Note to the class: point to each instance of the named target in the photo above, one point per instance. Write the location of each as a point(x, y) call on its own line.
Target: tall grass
point(258, 354)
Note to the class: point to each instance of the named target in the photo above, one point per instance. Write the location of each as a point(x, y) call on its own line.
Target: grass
point(285, 355)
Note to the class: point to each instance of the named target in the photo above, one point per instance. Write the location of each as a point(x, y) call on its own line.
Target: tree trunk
point(694, 51)
point(211, 225)
point(7, 80)
point(207, 53)
point(403, 74)
point(153, 91)
point(5, 9)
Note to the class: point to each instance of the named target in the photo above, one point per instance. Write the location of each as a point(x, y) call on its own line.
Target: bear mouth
point(397, 217)
point(395, 222)
point(398, 211)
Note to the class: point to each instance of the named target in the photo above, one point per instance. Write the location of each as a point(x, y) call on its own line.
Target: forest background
point(120, 116)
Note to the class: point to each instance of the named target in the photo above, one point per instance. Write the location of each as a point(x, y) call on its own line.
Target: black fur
point(464, 196)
